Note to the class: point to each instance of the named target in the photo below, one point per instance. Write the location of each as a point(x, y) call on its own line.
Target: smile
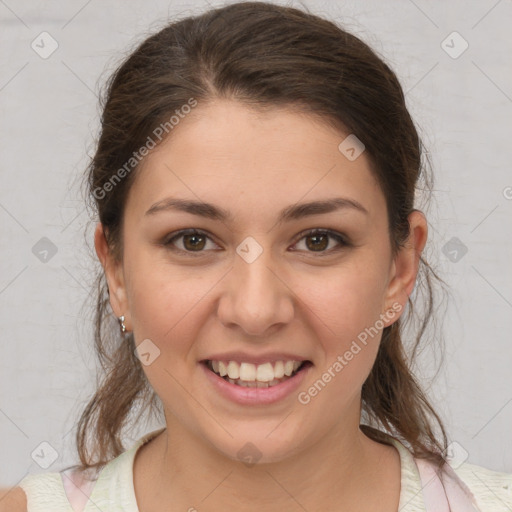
point(255, 376)
point(249, 384)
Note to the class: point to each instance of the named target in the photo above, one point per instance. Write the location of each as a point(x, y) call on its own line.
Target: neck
point(180, 468)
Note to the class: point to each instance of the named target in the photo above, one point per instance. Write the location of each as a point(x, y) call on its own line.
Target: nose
point(256, 298)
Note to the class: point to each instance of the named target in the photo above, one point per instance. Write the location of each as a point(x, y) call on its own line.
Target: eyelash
point(312, 232)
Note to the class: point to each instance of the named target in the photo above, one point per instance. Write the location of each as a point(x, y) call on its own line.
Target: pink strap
point(447, 493)
point(78, 488)
point(433, 491)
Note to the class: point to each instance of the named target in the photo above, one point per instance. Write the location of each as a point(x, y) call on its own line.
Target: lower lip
point(256, 396)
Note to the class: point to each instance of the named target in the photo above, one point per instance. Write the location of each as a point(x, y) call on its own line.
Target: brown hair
point(265, 56)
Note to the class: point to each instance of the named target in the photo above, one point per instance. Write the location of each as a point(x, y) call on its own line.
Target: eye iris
point(316, 237)
point(194, 236)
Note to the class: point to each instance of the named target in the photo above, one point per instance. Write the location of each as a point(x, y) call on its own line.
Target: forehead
point(227, 153)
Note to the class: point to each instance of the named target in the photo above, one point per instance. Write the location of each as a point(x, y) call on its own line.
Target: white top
point(113, 490)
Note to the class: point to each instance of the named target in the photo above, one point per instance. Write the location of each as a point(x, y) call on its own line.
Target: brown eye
point(318, 240)
point(192, 241)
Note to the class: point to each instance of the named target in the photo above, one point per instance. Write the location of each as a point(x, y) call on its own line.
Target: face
point(258, 286)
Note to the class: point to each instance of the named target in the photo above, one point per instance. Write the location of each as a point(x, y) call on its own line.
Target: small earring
point(121, 321)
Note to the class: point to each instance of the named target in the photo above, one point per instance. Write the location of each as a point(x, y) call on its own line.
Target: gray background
point(49, 118)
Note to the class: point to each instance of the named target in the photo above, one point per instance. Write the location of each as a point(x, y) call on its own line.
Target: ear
point(114, 274)
point(404, 268)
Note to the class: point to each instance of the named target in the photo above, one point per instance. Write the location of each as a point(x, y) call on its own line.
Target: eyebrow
point(292, 212)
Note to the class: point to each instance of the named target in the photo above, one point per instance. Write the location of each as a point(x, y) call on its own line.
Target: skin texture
point(291, 298)
point(13, 500)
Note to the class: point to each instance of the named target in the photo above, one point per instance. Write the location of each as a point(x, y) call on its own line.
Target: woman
point(254, 182)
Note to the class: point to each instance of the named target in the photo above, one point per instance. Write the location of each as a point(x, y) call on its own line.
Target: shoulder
point(492, 489)
point(36, 492)
point(13, 500)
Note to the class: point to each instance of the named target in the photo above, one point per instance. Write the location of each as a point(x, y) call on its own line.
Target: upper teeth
point(251, 372)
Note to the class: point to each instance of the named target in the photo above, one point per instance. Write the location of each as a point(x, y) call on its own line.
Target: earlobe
point(113, 273)
point(406, 263)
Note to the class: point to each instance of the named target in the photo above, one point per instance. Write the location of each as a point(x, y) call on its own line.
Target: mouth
point(248, 375)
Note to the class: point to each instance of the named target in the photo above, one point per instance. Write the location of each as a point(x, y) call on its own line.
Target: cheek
point(347, 299)
point(346, 323)
point(170, 312)
point(347, 327)
point(165, 306)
